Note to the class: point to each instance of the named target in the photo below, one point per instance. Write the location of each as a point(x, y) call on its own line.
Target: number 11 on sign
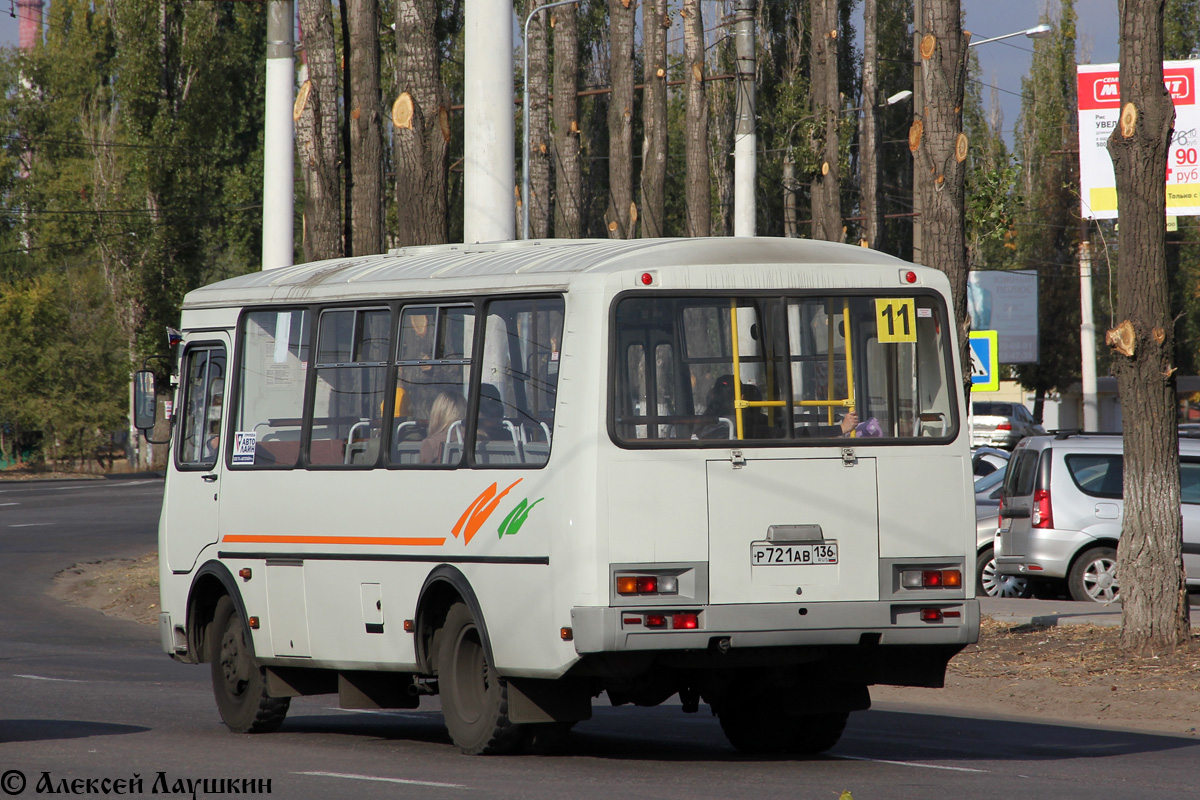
point(895, 319)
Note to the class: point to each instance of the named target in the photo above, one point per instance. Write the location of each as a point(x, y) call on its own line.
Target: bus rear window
point(701, 371)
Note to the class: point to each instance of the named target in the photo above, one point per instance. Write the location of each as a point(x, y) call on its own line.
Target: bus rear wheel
point(760, 728)
point(474, 696)
point(239, 683)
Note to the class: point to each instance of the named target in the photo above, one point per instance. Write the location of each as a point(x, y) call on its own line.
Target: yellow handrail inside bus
point(740, 404)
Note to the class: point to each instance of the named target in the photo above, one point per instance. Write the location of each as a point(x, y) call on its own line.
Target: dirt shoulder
point(1073, 674)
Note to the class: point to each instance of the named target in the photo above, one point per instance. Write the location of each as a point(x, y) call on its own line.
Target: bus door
point(194, 482)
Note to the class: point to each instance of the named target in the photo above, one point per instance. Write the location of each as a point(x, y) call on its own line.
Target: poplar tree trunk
point(697, 192)
point(1149, 559)
point(939, 148)
point(568, 173)
point(366, 129)
point(655, 22)
point(872, 227)
point(420, 127)
point(317, 134)
point(826, 181)
point(539, 123)
point(621, 214)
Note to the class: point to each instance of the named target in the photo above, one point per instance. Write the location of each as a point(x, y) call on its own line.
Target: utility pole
point(744, 145)
point(1087, 336)
point(277, 137)
point(489, 166)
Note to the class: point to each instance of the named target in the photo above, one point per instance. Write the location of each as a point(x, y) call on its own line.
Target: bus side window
point(433, 370)
point(272, 369)
point(352, 363)
point(203, 403)
point(520, 382)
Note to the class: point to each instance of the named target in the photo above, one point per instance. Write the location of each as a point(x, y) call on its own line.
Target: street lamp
point(525, 119)
point(1036, 32)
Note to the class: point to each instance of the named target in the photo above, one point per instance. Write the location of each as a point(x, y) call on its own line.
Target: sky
point(1002, 64)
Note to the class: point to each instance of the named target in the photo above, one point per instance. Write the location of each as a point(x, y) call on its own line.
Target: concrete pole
point(278, 142)
point(489, 165)
point(1087, 340)
point(745, 168)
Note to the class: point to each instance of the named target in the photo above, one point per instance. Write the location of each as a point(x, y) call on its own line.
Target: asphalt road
point(87, 698)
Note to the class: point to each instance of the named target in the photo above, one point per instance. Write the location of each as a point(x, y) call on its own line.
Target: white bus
point(525, 475)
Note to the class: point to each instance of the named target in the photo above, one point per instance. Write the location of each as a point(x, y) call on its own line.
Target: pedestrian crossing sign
point(985, 365)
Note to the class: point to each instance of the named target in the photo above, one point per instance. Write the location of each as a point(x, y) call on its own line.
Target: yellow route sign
point(895, 319)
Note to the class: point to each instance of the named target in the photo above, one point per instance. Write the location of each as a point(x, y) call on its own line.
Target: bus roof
point(515, 265)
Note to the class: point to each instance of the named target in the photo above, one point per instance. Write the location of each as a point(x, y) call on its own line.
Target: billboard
point(1006, 301)
point(1099, 110)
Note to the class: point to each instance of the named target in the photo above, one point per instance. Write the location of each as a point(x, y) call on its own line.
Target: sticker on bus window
point(895, 319)
point(244, 445)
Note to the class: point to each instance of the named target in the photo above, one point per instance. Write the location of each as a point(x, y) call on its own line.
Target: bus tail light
point(656, 620)
point(686, 620)
point(647, 584)
point(931, 579)
point(931, 615)
point(1042, 516)
point(662, 620)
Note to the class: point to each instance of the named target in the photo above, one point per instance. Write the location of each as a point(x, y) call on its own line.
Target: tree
point(538, 55)
point(826, 178)
point(872, 200)
point(698, 191)
point(366, 129)
point(568, 175)
point(621, 214)
point(655, 22)
point(1153, 585)
point(939, 147)
point(317, 134)
point(420, 127)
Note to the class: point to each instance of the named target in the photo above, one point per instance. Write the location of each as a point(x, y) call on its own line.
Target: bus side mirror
point(145, 401)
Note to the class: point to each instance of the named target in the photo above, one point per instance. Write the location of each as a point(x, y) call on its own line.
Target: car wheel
point(239, 683)
point(1093, 576)
point(474, 696)
point(991, 584)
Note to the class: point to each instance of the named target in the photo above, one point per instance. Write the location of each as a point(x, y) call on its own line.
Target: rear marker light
point(244, 573)
point(567, 634)
point(931, 615)
point(253, 621)
point(656, 621)
point(647, 584)
point(409, 626)
point(685, 621)
point(908, 276)
point(632, 620)
point(951, 614)
point(647, 279)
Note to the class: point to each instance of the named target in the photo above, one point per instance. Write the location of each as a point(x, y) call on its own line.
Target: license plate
point(764, 554)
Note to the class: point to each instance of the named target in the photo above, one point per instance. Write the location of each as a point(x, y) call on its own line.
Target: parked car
point(1061, 511)
point(985, 460)
point(1001, 424)
point(987, 501)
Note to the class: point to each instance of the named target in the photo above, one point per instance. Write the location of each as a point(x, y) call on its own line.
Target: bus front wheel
point(474, 697)
point(239, 684)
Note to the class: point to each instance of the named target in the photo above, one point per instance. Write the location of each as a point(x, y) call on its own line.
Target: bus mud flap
point(539, 700)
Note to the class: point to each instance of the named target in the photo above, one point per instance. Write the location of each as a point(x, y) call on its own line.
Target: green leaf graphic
point(516, 518)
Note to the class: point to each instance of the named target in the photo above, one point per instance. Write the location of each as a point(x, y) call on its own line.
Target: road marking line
point(348, 776)
point(29, 524)
point(10, 504)
point(383, 712)
point(56, 680)
point(910, 764)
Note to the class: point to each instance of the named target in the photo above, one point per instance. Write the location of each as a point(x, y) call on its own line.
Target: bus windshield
point(807, 368)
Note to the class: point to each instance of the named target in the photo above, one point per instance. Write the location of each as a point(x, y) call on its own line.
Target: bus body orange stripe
point(415, 541)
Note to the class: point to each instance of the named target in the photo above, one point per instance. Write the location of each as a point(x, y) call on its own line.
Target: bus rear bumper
point(732, 627)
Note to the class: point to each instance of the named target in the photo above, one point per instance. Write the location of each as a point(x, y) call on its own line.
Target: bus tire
point(474, 697)
point(758, 728)
point(239, 683)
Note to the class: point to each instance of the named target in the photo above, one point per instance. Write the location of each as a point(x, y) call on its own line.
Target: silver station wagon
point(1061, 513)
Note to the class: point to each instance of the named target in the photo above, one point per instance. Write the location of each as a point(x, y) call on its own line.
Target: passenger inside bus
point(448, 409)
